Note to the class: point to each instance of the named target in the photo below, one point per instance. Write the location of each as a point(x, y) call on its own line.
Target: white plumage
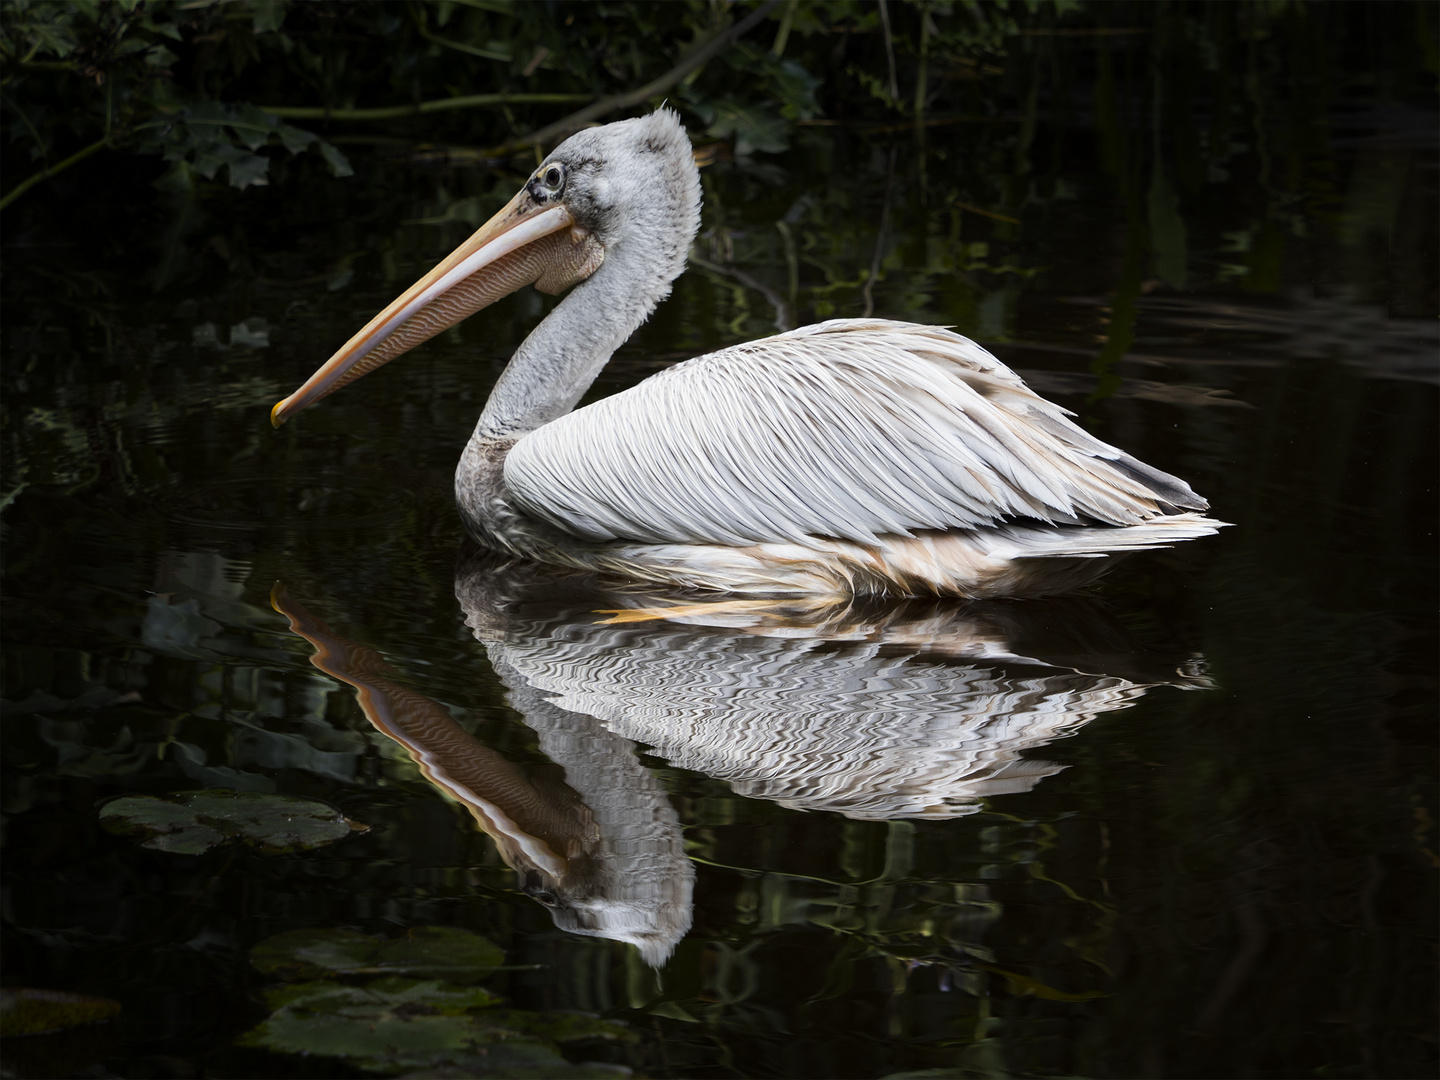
point(852, 456)
point(851, 429)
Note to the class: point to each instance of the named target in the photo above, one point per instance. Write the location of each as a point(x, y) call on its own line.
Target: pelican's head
point(599, 192)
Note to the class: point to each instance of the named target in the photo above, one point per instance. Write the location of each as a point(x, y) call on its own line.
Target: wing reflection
point(916, 709)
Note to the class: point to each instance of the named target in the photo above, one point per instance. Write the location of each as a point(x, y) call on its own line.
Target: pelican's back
point(852, 430)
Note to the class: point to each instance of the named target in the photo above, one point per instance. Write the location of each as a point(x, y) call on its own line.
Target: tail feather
point(1082, 541)
point(1167, 488)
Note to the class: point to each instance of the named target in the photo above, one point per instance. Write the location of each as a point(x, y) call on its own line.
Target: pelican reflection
point(911, 709)
point(916, 708)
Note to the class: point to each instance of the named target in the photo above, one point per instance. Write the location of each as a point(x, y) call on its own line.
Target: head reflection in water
point(921, 709)
point(593, 836)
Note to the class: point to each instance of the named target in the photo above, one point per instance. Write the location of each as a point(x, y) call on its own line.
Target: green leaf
point(191, 840)
point(211, 157)
point(425, 952)
point(512, 1061)
point(786, 83)
point(250, 169)
point(160, 58)
point(306, 954)
point(452, 999)
point(145, 815)
point(294, 139)
point(269, 15)
point(560, 1027)
point(51, 32)
point(165, 29)
point(399, 1023)
point(440, 952)
point(376, 1036)
point(252, 125)
point(206, 112)
point(195, 822)
point(339, 166)
point(28, 1011)
point(386, 1025)
point(753, 128)
point(432, 995)
point(273, 823)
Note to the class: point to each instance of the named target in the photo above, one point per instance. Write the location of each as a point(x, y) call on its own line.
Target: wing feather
point(850, 429)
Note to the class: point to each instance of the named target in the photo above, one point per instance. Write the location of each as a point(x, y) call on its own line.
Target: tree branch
point(700, 54)
point(397, 112)
point(75, 158)
point(422, 24)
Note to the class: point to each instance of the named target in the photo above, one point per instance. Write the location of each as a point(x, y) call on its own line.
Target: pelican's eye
point(548, 183)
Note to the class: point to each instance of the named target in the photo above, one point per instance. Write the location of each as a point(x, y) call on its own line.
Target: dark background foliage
point(162, 115)
point(210, 85)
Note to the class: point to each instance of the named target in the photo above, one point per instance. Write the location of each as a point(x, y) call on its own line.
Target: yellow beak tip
point(276, 416)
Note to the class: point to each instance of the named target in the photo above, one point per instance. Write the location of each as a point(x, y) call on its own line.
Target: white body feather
point(849, 429)
point(854, 456)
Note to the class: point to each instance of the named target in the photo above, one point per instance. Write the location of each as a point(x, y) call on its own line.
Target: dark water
point(1183, 825)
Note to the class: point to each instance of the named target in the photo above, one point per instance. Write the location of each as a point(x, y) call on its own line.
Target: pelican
point(855, 456)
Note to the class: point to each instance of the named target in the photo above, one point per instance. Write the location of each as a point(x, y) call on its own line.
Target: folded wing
point(848, 429)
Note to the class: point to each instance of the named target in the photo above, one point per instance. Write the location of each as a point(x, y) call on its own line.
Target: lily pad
point(421, 1016)
point(196, 821)
point(386, 1025)
point(515, 1061)
point(310, 954)
point(440, 952)
point(560, 1027)
point(425, 952)
point(28, 1011)
point(406, 997)
point(442, 1028)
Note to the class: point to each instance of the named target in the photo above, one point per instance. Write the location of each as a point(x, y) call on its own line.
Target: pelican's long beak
point(518, 246)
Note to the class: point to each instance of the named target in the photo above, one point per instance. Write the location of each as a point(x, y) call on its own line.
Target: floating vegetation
point(394, 1024)
point(25, 1010)
point(426, 952)
point(194, 822)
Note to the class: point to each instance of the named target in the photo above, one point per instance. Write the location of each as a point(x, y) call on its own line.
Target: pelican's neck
point(556, 364)
point(548, 374)
point(638, 191)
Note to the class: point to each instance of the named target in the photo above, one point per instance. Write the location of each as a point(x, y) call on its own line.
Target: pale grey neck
point(560, 359)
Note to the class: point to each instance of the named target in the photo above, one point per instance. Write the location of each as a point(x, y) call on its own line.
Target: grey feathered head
point(634, 180)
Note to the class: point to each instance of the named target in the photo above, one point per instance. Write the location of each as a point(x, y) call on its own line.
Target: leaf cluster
point(410, 1019)
point(113, 76)
point(194, 822)
point(213, 84)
